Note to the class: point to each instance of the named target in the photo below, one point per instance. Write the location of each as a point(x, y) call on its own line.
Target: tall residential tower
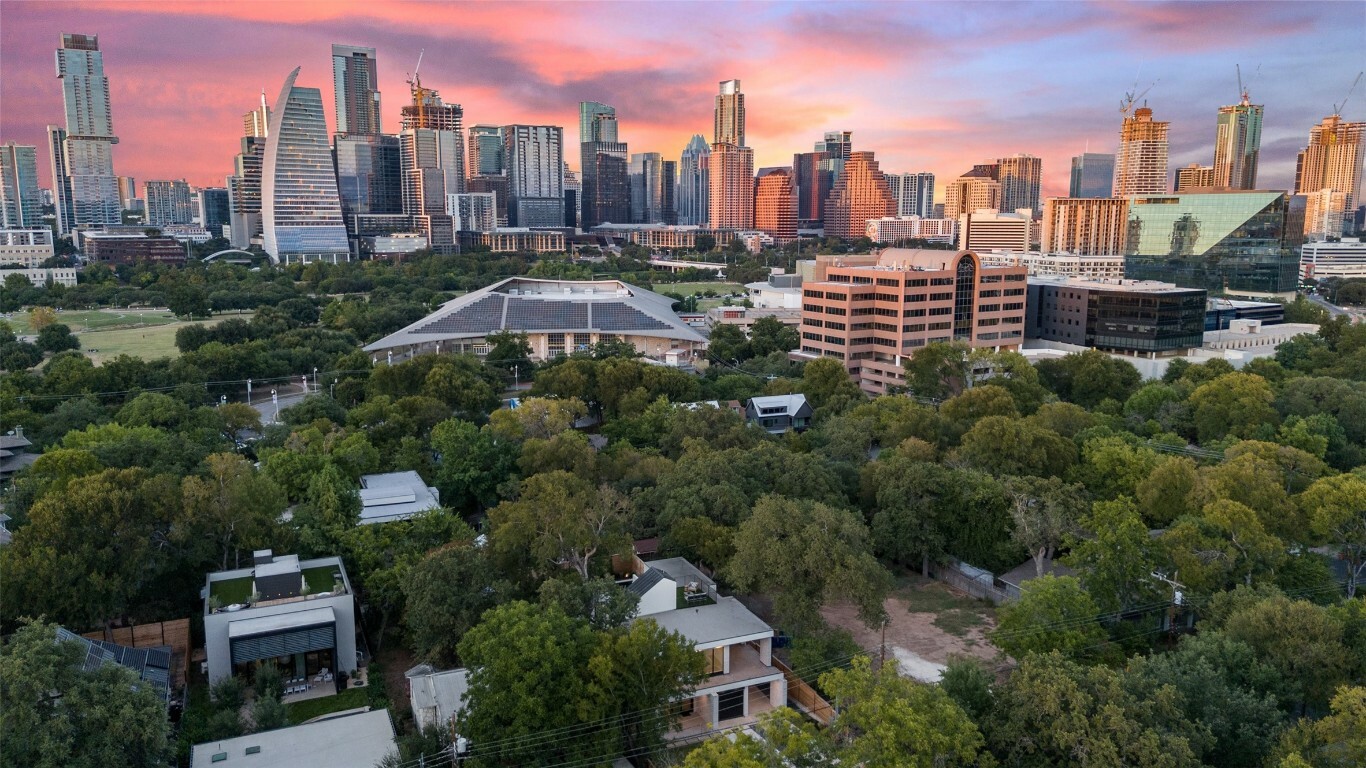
point(1141, 164)
point(21, 206)
point(1237, 143)
point(1329, 172)
point(355, 82)
point(86, 190)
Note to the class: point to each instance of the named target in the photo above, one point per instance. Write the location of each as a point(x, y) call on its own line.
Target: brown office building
point(103, 248)
point(860, 193)
point(775, 208)
point(873, 312)
point(731, 194)
point(812, 179)
point(1085, 226)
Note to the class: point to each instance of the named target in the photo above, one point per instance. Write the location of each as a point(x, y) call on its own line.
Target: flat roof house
point(395, 496)
point(779, 413)
point(298, 613)
point(358, 740)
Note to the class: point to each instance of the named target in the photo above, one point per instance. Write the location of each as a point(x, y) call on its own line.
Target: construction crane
point(419, 93)
point(1127, 103)
point(1337, 108)
point(1243, 88)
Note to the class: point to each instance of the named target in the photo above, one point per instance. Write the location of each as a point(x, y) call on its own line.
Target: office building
point(775, 207)
point(1345, 259)
point(1021, 179)
point(860, 193)
point(1325, 213)
point(873, 312)
point(131, 248)
point(1332, 161)
point(976, 190)
point(694, 182)
point(301, 218)
point(42, 277)
point(652, 189)
point(665, 236)
point(486, 150)
point(605, 180)
point(168, 202)
point(573, 198)
point(128, 193)
point(729, 117)
point(431, 169)
point(898, 230)
point(86, 188)
point(369, 174)
point(21, 204)
point(913, 193)
point(473, 211)
point(988, 230)
point(1128, 316)
point(813, 180)
point(25, 247)
point(1086, 226)
point(256, 123)
point(597, 122)
point(1237, 144)
point(244, 185)
point(1057, 264)
point(496, 186)
point(731, 195)
point(837, 144)
point(535, 161)
point(1224, 241)
point(1194, 176)
point(355, 82)
point(1093, 175)
point(1141, 163)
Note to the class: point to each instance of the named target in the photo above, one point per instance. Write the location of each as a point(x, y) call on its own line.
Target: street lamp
point(275, 401)
point(315, 378)
point(248, 391)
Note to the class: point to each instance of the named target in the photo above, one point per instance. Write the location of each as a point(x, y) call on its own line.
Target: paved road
point(287, 395)
point(1333, 309)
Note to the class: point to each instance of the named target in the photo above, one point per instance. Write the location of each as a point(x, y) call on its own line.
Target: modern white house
point(779, 413)
point(742, 681)
point(298, 613)
point(395, 496)
point(355, 740)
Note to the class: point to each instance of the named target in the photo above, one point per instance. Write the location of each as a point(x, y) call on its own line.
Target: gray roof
point(645, 582)
point(442, 691)
point(727, 620)
point(357, 740)
point(546, 306)
point(790, 403)
point(681, 571)
point(395, 496)
point(1017, 576)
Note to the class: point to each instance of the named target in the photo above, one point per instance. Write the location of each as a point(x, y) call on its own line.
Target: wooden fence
point(806, 698)
point(974, 581)
point(175, 634)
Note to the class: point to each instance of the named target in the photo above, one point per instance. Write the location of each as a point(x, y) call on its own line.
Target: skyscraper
point(1021, 180)
point(812, 178)
point(730, 115)
point(975, 190)
point(128, 192)
point(1194, 176)
point(369, 175)
point(1332, 161)
point(775, 206)
point(355, 82)
point(244, 185)
point(652, 181)
point(301, 215)
point(535, 160)
point(837, 143)
point(168, 203)
point(730, 197)
point(860, 193)
point(257, 122)
point(432, 158)
point(913, 193)
point(1237, 143)
point(486, 150)
point(21, 205)
point(694, 173)
point(213, 209)
point(1085, 226)
point(1141, 164)
point(87, 190)
point(604, 180)
point(1093, 175)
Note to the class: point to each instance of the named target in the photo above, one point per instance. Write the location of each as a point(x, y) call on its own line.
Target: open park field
point(147, 333)
point(688, 289)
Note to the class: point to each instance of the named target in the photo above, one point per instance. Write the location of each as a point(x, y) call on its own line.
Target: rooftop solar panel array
point(543, 315)
point(619, 316)
point(152, 665)
point(482, 316)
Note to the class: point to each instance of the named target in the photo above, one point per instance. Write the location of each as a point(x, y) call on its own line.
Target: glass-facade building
point(301, 216)
point(1222, 241)
point(369, 175)
point(21, 204)
point(87, 189)
point(1122, 317)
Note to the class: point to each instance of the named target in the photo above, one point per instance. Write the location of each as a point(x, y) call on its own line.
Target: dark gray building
point(1093, 175)
point(369, 175)
point(1115, 315)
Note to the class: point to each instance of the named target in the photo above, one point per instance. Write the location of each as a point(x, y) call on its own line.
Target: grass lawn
point(232, 590)
point(688, 289)
point(303, 711)
point(110, 333)
point(96, 319)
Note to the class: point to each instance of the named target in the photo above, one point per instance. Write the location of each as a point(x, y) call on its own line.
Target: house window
point(730, 704)
point(716, 660)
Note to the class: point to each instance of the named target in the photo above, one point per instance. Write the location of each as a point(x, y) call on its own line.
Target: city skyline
point(809, 70)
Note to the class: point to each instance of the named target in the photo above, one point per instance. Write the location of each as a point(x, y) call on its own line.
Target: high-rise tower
point(730, 115)
point(244, 185)
point(21, 206)
point(775, 206)
point(1329, 171)
point(694, 182)
point(355, 82)
point(535, 161)
point(652, 189)
point(730, 197)
point(1141, 164)
point(86, 189)
point(301, 216)
point(1237, 143)
point(860, 193)
point(1093, 175)
point(485, 157)
point(604, 181)
point(913, 193)
point(1021, 179)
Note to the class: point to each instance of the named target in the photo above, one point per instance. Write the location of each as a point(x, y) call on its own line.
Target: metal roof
point(357, 740)
point(263, 625)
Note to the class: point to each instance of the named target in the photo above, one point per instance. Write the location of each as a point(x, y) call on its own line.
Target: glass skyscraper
point(300, 210)
point(369, 177)
point(1222, 241)
point(86, 189)
point(1093, 175)
point(21, 206)
point(1237, 145)
point(355, 83)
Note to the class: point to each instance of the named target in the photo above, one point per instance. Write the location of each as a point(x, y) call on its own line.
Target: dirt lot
point(930, 622)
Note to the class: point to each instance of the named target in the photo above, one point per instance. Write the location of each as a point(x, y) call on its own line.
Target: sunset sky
point(928, 86)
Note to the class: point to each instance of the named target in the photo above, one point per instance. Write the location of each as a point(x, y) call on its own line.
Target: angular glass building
point(301, 216)
point(1223, 241)
point(369, 176)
